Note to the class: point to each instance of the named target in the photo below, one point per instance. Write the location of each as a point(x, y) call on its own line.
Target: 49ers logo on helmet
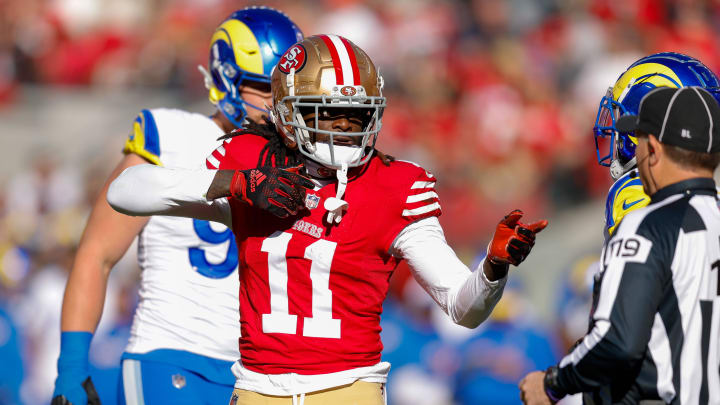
point(348, 91)
point(295, 57)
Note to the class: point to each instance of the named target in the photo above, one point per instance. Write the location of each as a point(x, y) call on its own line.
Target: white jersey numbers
point(279, 320)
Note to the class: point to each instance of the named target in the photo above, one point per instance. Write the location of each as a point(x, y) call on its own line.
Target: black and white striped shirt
point(656, 314)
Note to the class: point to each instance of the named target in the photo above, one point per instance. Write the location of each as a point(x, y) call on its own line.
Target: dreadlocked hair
point(275, 152)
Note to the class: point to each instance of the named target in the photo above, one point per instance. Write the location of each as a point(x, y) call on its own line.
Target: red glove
point(279, 191)
point(513, 240)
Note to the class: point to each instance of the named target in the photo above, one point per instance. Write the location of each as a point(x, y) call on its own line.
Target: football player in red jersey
point(321, 221)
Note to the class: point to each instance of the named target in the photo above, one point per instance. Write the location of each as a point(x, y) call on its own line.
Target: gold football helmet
point(320, 73)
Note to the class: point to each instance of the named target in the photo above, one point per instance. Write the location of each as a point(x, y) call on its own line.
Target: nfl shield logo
point(312, 201)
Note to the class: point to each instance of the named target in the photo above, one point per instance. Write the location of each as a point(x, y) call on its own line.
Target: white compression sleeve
point(467, 297)
point(146, 189)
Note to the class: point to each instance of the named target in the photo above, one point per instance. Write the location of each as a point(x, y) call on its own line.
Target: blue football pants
point(152, 383)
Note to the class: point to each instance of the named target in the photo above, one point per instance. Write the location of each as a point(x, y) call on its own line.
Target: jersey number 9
point(198, 258)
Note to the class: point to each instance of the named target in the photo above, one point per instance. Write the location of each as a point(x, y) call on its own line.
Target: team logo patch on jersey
point(295, 57)
point(348, 91)
point(312, 201)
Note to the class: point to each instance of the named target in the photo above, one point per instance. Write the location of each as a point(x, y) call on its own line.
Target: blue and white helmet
point(243, 51)
point(667, 69)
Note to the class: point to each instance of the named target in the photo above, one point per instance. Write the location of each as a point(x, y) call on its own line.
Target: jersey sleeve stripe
point(423, 184)
point(221, 150)
point(212, 162)
point(421, 210)
point(423, 196)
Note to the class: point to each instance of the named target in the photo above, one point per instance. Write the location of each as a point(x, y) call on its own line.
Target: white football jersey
point(189, 283)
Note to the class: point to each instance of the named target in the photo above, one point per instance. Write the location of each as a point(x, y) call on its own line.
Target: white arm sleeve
point(146, 189)
point(467, 297)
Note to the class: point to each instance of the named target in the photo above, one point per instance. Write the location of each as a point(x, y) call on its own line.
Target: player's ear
point(655, 149)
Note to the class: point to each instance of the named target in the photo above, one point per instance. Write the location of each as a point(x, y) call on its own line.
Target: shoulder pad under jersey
point(144, 139)
point(625, 195)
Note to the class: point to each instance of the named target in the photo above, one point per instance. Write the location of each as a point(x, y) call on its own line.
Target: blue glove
point(73, 369)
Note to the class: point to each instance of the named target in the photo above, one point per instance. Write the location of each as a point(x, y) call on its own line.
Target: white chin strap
point(336, 206)
point(347, 155)
point(617, 169)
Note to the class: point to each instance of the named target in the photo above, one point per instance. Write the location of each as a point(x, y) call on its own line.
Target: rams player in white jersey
point(666, 69)
point(184, 334)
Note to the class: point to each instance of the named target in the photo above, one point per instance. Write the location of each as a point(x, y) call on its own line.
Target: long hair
point(275, 152)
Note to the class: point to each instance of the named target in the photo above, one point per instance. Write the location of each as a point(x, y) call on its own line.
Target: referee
point(655, 335)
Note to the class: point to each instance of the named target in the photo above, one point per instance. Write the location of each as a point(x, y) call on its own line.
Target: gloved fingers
point(292, 174)
point(525, 233)
point(537, 226)
point(512, 218)
point(521, 245)
point(518, 250)
point(292, 205)
point(301, 181)
point(297, 195)
point(524, 240)
point(282, 206)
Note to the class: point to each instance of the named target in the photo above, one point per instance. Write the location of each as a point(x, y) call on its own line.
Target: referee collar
point(698, 185)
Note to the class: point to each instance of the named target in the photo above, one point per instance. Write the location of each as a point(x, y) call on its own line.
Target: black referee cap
point(687, 117)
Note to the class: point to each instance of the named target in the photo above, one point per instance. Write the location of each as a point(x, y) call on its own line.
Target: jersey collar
point(699, 185)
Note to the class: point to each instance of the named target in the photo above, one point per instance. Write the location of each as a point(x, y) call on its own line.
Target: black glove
point(92, 396)
point(279, 191)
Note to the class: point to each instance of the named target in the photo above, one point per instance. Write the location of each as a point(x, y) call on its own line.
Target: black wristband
point(552, 390)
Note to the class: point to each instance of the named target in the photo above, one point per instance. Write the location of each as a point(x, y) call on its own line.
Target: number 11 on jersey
point(280, 320)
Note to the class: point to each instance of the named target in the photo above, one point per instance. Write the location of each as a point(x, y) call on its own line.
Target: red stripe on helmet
point(353, 61)
point(335, 59)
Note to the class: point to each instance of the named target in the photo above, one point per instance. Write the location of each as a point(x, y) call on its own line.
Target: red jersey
point(311, 293)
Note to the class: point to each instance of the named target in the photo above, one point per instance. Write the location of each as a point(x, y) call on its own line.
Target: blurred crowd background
point(496, 97)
